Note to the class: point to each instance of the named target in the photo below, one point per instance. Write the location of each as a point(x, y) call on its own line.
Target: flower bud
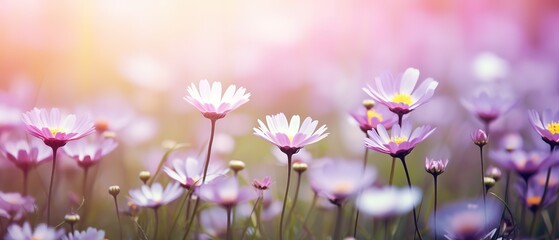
point(300, 167)
point(489, 182)
point(368, 104)
point(479, 138)
point(144, 176)
point(114, 190)
point(236, 165)
point(435, 167)
point(72, 218)
point(494, 172)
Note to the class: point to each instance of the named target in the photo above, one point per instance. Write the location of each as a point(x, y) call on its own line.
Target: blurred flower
point(14, 205)
point(479, 137)
point(89, 234)
point(339, 179)
point(511, 142)
point(368, 119)
point(525, 164)
point(399, 95)
point(489, 67)
point(494, 172)
point(547, 126)
point(270, 206)
point(87, 152)
point(532, 199)
point(289, 137)
point(54, 129)
point(155, 196)
point(214, 222)
point(25, 154)
point(262, 185)
point(388, 201)
point(211, 103)
point(401, 142)
point(467, 220)
point(189, 172)
point(225, 192)
point(10, 117)
point(42, 231)
point(487, 107)
point(435, 167)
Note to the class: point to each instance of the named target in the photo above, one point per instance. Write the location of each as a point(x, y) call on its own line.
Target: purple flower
point(262, 185)
point(401, 141)
point(225, 192)
point(14, 205)
point(88, 152)
point(435, 167)
point(368, 119)
point(525, 164)
point(479, 138)
point(55, 129)
point(339, 179)
point(270, 206)
point(189, 172)
point(467, 220)
point(487, 107)
point(42, 231)
point(155, 196)
point(388, 201)
point(10, 118)
point(89, 234)
point(399, 95)
point(290, 136)
point(214, 221)
point(210, 101)
point(547, 126)
point(26, 154)
point(533, 198)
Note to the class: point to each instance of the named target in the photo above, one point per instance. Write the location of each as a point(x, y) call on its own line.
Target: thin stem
point(483, 185)
point(72, 228)
point(294, 199)
point(553, 227)
point(285, 196)
point(339, 219)
point(357, 213)
point(54, 150)
point(191, 218)
point(409, 185)
point(435, 209)
point(260, 196)
point(391, 172)
point(539, 208)
point(207, 163)
point(523, 208)
point(25, 178)
point(400, 116)
point(84, 182)
point(229, 234)
point(156, 223)
point(313, 203)
point(118, 217)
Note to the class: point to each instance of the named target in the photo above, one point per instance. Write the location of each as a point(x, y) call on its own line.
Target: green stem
point(285, 195)
point(390, 180)
point(118, 217)
point(229, 233)
point(207, 163)
point(54, 150)
point(156, 223)
point(357, 213)
point(191, 218)
point(409, 185)
point(435, 209)
point(483, 186)
point(289, 215)
point(250, 216)
point(339, 219)
point(313, 203)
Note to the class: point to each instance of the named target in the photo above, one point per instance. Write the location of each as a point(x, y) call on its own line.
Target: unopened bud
point(489, 182)
point(479, 137)
point(72, 218)
point(494, 172)
point(144, 176)
point(236, 165)
point(114, 190)
point(368, 104)
point(300, 167)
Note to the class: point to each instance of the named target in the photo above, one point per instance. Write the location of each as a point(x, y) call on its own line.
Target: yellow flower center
point(54, 131)
point(402, 98)
point(534, 200)
point(343, 187)
point(372, 114)
point(553, 127)
point(399, 140)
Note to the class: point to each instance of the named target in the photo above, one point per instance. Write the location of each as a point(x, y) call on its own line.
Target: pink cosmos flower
point(42, 231)
point(189, 172)
point(88, 152)
point(14, 205)
point(399, 94)
point(291, 136)
point(547, 125)
point(225, 192)
point(55, 129)
point(368, 119)
point(26, 154)
point(89, 234)
point(210, 101)
point(155, 196)
point(339, 179)
point(487, 107)
point(401, 141)
point(262, 185)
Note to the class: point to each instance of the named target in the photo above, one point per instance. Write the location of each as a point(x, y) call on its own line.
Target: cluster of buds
point(492, 176)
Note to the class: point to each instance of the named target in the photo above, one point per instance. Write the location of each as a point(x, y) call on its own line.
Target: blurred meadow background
point(128, 63)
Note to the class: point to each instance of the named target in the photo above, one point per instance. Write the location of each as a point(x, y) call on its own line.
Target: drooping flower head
point(155, 196)
point(339, 179)
point(54, 129)
point(532, 199)
point(435, 167)
point(290, 136)
point(547, 125)
point(225, 192)
point(262, 185)
point(25, 154)
point(89, 234)
point(88, 152)
point(189, 172)
point(15, 206)
point(42, 232)
point(401, 141)
point(388, 201)
point(399, 94)
point(524, 163)
point(210, 101)
point(467, 220)
point(369, 118)
point(487, 107)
